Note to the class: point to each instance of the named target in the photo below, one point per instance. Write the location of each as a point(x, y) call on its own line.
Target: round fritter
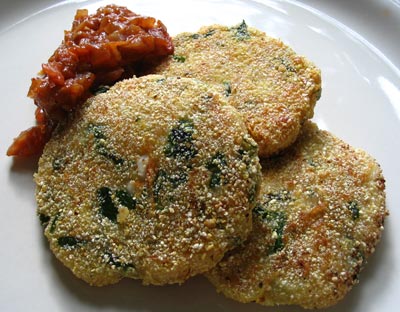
point(154, 179)
point(319, 216)
point(274, 88)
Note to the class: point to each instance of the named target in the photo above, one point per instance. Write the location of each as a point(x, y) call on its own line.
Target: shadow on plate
point(27, 165)
point(20, 178)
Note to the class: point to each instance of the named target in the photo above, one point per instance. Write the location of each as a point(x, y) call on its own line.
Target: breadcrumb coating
point(320, 214)
point(154, 179)
point(272, 87)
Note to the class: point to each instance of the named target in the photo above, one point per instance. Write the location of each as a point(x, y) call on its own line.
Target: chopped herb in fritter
point(178, 178)
point(58, 164)
point(126, 199)
point(195, 36)
point(53, 223)
point(44, 220)
point(276, 220)
point(355, 211)
point(216, 166)
point(68, 241)
point(180, 143)
point(159, 184)
point(100, 143)
point(104, 151)
point(227, 88)
point(311, 162)
point(247, 152)
point(288, 65)
point(107, 207)
point(281, 196)
point(241, 31)
point(101, 89)
point(248, 147)
point(179, 58)
point(207, 34)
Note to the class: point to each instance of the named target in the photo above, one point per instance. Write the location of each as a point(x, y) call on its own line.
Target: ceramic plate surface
point(355, 43)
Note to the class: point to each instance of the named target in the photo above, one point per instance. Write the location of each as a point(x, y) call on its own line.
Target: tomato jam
point(100, 49)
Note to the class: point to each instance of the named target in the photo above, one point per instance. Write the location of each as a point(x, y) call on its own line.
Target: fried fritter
point(154, 179)
point(274, 88)
point(319, 215)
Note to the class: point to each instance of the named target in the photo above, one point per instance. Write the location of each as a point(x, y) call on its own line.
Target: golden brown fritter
point(274, 88)
point(319, 215)
point(155, 179)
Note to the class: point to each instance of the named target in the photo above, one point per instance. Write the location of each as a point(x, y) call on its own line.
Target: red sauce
point(100, 49)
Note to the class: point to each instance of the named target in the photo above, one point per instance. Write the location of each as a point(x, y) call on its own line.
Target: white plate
point(355, 43)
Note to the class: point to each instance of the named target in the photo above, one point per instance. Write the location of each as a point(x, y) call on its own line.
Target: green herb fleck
point(311, 162)
point(270, 212)
point(126, 199)
point(97, 131)
point(242, 32)
point(159, 184)
point(253, 191)
point(107, 207)
point(248, 147)
point(206, 35)
point(227, 88)
point(101, 89)
point(106, 153)
point(355, 211)
point(58, 164)
point(287, 63)
point(281, 196)
point(206, 97)
point(276, 220)
point(180, 141)
point(215, 180)
point(100, 143)
point(53, 223)
point(209, 33)
point(68, 241)
point(43, 219)
point(179, 58)
point(178, 178)
point(216, 166)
